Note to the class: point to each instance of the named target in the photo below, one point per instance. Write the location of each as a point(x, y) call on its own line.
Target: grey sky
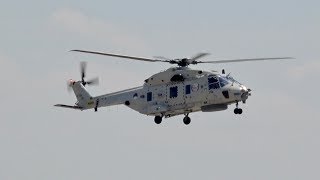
point(277, 137)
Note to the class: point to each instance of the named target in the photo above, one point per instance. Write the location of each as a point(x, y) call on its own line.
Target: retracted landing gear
point(186, 119)
point(158, 119)
point(237, 110)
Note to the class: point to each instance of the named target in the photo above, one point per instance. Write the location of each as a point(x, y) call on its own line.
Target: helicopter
point(178, 90)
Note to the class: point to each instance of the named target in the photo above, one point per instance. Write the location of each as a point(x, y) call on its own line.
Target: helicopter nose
point(246, 92)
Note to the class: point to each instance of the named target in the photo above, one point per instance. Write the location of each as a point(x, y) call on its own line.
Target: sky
point(277, 136)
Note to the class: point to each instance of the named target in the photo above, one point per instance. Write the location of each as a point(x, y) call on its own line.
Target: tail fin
point(81, 93)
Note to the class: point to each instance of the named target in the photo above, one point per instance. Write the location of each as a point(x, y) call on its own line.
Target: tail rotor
point(94, 81)
point(83, 67)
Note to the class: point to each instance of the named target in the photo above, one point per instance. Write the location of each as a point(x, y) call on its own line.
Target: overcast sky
point(277, 136)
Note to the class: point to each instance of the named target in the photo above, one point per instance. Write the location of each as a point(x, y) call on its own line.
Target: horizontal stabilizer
point(68, 106)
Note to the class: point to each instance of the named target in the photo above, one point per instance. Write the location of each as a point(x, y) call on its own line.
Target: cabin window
point(149, 96)
point(174, 92)
point(188, 89)
point(213, 82)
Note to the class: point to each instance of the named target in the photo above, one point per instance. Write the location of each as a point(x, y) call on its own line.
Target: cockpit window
point(231, 79)
point(223, 81)
point(213, 82)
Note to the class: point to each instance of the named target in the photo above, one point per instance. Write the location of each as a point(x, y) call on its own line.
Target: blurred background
point(277, 136)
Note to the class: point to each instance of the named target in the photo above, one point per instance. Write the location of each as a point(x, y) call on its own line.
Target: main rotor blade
point(197, 56)
point(244, 60)
point(121, 56)
point(162, 58)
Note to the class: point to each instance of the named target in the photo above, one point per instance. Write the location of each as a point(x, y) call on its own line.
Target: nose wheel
point(237, 110)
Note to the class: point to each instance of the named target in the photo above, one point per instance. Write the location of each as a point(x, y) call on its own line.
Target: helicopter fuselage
point(173, 92)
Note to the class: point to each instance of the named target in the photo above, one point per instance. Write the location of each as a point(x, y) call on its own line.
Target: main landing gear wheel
point(237, 111)
point(158, 119)
point(186, 120)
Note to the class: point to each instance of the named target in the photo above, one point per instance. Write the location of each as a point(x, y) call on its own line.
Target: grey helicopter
point(178, 90)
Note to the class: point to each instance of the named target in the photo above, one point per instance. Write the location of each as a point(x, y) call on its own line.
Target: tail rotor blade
point(94, 81)
point(83, 66)
point(69, 84)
